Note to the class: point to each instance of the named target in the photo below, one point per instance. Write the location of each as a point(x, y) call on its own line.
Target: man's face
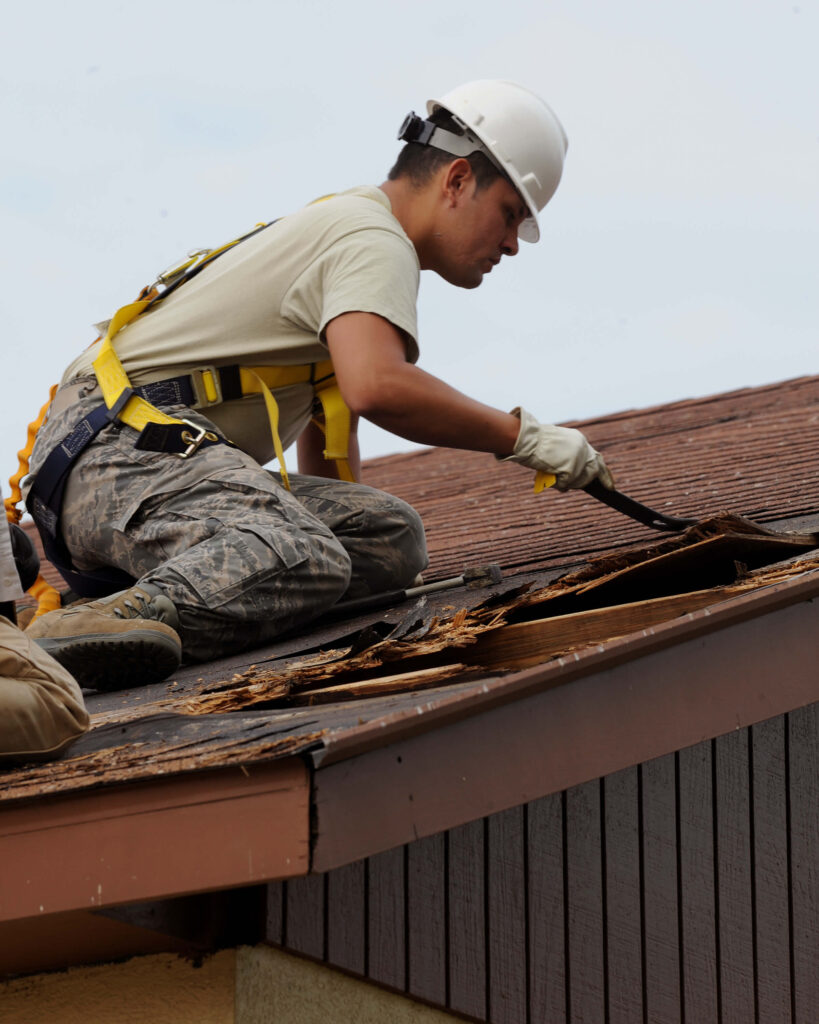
point(480, 227)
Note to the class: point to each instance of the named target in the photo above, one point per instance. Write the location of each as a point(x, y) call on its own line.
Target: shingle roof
point(752, 451)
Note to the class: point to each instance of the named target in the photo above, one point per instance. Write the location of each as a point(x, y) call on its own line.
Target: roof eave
point(150, 840)
point(528, 735)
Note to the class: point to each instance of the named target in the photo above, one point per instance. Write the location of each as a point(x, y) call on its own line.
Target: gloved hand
point(563, 451)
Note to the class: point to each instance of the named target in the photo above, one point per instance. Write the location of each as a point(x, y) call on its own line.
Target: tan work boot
point(126, 639)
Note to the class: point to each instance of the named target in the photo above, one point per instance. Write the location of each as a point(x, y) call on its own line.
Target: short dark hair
point(419, 163)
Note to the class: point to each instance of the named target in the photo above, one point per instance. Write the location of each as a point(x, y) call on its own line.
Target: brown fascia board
point(197, 833)
point(525, 736)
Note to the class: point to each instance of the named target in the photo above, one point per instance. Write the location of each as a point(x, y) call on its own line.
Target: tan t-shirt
point(268, 301)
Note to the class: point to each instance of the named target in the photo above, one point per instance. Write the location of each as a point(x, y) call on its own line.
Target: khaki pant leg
point(41, 705)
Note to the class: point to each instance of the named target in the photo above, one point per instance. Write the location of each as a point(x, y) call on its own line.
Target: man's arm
point(310, 448)
point(379, 384)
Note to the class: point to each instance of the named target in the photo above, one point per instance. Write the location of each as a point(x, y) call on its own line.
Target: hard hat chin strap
point(417, 129)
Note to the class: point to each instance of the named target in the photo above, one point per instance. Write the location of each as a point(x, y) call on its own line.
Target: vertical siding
point(427, 919)
point(803, 762)
point(584, 902)
point(624, 922)
point(347, 917)
point(698, 905)
point(546, 902)
point(735, 928)
point(685, 889)
point(386, 918)
point(506, 916)
point(466, 919)
point(660, 890)
point(770, 858)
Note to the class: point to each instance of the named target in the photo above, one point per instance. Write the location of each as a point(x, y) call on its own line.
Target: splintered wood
point(142, 760)
point(609, 598)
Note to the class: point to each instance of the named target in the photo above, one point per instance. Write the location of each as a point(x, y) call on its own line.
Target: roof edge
point(154, 840)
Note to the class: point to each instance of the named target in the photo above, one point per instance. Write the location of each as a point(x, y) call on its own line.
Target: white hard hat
point(519, 132)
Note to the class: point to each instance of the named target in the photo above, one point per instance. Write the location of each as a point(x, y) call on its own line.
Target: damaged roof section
point(289, 704)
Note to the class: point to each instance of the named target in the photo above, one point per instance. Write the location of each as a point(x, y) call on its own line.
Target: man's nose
point(510, 243)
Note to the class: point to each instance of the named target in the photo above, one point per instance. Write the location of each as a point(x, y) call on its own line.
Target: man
point(220, 549)
point(41, 706)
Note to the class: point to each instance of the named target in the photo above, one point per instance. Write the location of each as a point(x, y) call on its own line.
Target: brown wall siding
point(682, 889)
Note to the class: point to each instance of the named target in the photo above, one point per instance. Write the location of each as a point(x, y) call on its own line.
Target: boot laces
point(130, 611)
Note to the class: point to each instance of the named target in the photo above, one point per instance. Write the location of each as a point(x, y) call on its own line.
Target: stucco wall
point(259, 985)
point(273, 987)
point(146, 990)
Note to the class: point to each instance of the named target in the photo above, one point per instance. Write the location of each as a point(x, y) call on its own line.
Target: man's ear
point(458, 177)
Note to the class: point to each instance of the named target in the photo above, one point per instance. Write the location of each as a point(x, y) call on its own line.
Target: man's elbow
point(371, 399)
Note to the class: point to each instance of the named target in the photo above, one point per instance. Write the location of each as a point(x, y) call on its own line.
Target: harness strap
point(216, 384)
point(113, 380)
point(272, 407)
point(44, 503)
point(336, 425)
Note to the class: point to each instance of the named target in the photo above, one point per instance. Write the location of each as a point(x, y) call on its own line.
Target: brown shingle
point(752, 452)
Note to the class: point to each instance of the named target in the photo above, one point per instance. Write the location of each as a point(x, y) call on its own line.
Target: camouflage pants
point(242, 559)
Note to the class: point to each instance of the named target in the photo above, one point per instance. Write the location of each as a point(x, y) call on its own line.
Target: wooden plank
point(346, 918)
point(624, 936)
point(545, 892)
point(506, 924)
point(697, 887)
point(804, 792)
point(584, 895)
point(467, 920)
point(734, 878)
point(304, 916)
point(421, 679)
point(661, 915)
point(528, 643)
point(426, 919)
point(770, 841)
point(386, 887)
point(274, 918)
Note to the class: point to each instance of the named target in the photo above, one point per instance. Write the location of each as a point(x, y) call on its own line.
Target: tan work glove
point(562, 451)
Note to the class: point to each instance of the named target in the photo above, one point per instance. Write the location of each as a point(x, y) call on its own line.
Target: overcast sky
point(678, 258)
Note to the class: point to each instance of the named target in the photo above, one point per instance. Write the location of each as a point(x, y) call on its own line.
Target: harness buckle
point(195, 439)
point(176, 270)
point(207, 390)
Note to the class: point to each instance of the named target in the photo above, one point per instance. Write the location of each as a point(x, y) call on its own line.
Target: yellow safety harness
point(137, 412)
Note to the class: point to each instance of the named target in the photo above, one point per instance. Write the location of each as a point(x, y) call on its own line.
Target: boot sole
point(105, 661)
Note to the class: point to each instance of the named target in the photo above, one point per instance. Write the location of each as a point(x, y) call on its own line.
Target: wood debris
point(492, 636)
point(130, 762)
